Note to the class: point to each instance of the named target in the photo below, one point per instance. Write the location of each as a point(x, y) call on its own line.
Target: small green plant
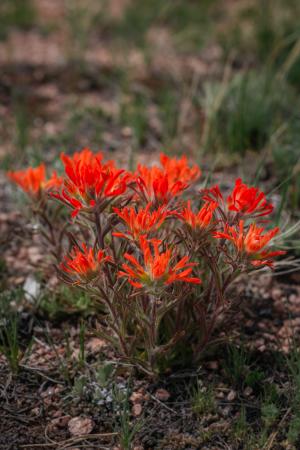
point(239, 368)
point(240, 426)
point(269, 414)
point(64, 301)
point(79, 387)
point(9, 343)
point(203, 399)
point(254, 377)
point(270, 394)
point(124, 426)
point(293, 431)
point(236, 364)
point(104, 373)
point(293, 364)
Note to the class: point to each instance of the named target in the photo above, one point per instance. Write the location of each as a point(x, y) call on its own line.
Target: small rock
point(213, 365)
point(248, 391)
point(137, 397)
point(80, 425)
point(162, 395)
point(35, 411)
point(294, 299)
point(226, 411)
point(220, 395)
point(94, 345)
point(231, 396)
point(126, 132)
point(31, 288)
point(137, 409)
point(276, 293)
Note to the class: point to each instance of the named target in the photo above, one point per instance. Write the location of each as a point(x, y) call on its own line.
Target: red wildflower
point(54, 182)
point(158, 268)
point(248, 200)
point(202, 218)
point(89, 180)
point(31, 180)
point(252, 242)
point(163, 184)
point(84, 262)
point(157, 186)
point(142, 221)
point(212, 194)
point(178, 169)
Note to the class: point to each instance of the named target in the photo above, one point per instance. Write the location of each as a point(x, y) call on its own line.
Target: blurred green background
point(216, 79)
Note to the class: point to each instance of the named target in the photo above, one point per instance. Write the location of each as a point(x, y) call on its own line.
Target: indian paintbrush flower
point(149, 292)
point(202, 218)
point(33, 180)
point(248, 200)
point(84, 262)
point(162, 184)
point(88, 180)
point(158, 267)
point(251, 242)
point(141, 221)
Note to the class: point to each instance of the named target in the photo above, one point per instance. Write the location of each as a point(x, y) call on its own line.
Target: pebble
point(231, 396)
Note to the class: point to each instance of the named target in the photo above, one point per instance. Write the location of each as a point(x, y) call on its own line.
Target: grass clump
point(263, 32)
point(185, 20)
point(251, 108)
point(203, 399)
point(11, 346)
point(63, 302)
point(293, 364)
point(16, 14)
point(9, 343)
point(126, 428)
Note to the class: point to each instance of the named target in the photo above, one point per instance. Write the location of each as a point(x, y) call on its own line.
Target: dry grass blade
point(68, 442)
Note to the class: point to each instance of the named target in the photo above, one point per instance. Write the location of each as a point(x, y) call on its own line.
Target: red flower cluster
point(33, 180)
point(202, 218)
point(84, 262)
point(91, 185)
point(252, 242)
point(162, 184)
point(157, 269)
point(88, 181)
point(248, 200)
point(148, 237)
point(141, 222)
